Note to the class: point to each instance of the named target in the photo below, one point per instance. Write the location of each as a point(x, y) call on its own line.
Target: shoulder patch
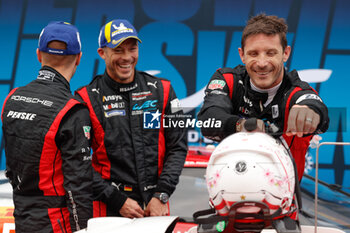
point(308, 97)
point(216, 84)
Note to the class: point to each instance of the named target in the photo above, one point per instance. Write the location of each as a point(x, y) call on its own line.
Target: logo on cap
point(115, 32)
point(121, 29)
point(60, 31)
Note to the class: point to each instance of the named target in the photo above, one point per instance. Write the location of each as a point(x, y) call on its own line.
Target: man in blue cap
point(47, 141)
point(138, 161)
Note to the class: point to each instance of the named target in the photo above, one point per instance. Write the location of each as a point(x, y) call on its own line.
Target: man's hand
point(156, 208)
point(131, 209)
point(302, 120)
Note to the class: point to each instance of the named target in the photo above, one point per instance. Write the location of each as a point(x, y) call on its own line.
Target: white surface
point(127, 225)
point(311, 229)
point(193, 101)
point(5, 192)
point(304, 229)
point(315, 75)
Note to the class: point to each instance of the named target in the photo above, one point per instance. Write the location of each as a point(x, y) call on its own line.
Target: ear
point(241, 54)
point(78, 58)
point(38, 55)
point(286, 53)
point(101, 52)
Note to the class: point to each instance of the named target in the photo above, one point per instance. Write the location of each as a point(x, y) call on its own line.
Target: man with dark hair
point(47, 141)
point(268, 25)
point(137, 159)
point(262, 95)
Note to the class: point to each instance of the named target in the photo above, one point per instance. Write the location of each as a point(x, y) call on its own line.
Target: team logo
point(274, 110)
point(87, 130)
point(149, 105)
point(121, 29)
point(21, 115)
point(216, 84)
point(241, 167)
point(151, 120)
point(46, 75)
point(32, 100)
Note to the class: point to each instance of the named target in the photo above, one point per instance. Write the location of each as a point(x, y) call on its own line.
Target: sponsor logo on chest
point(141, 95)
point(114, 106)
point(111, 97)
point(113, 113)
point(149, 105)
point(247, 101)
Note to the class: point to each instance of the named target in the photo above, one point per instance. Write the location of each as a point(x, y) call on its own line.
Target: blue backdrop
point(185, 41)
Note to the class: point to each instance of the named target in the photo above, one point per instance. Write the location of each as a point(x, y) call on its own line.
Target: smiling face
point(121, 61)
point(264, 58)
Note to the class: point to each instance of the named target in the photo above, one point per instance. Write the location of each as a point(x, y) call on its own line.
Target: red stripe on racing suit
point(297, 145)
point(101, 162)
point(50, 172)
point(229, 80)
point(100, 209)
point(161, 139)
point(59, 218)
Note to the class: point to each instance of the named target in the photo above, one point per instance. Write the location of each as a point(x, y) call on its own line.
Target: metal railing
point(316, 173)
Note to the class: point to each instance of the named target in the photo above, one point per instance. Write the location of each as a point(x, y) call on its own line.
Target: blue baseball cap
point(116, 32)
point(60, 31)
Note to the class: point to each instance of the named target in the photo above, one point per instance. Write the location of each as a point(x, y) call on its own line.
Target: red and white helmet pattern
point(250, 167)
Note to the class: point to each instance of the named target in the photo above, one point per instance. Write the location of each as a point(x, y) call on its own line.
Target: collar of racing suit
point(261, 98)
point(47, 73)
point(120, 87)
point(258, 96)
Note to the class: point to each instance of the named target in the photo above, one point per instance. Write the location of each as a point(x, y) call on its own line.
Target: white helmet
point(250, 167)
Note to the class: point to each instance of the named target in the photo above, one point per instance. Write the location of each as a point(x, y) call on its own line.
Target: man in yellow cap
point(138, 161)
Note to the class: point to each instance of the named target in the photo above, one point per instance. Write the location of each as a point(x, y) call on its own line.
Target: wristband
point(239, 125)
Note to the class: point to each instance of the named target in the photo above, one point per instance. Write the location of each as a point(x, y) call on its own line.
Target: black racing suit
point(133, 153)
point(48, 160)
point(229, 97)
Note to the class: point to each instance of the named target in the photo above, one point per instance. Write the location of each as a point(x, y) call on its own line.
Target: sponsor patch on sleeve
point(308, 97)
point(216, 84)
point(87, 131)
point(218, 92)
